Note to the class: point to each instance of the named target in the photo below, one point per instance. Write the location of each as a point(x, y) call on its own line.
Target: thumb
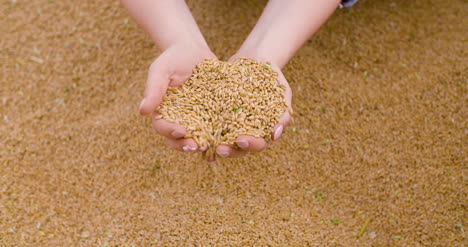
point(156, 87)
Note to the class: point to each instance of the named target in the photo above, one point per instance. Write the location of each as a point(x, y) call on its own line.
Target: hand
point(171, 69)
point(248, 143)
point(282, 28)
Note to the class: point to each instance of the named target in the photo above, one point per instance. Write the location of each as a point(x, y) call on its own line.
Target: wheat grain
point(223, 100)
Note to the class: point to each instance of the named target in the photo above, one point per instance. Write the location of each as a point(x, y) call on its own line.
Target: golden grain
point(223, 100)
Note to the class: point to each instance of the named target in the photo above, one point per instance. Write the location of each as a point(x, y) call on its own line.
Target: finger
point(211, 159)
point(286, 117)
point(288, 97)
point(202, 147)
point(251, 143)
point(284, 121)
point(233, 57)
point(227, 151)
point(184, 145)
point(156, 87)
point(168, 129)
point(288, 92)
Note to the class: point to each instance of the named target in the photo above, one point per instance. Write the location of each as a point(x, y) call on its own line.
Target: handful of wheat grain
point(223, 100)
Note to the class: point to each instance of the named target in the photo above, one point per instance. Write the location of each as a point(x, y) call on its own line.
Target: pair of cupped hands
point(174, 67)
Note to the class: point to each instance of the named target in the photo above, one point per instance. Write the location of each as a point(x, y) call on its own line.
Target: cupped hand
point(171, 69)
point(247, 143)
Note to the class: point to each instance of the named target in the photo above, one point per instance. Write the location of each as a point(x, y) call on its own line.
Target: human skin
point(281, 30)
point(174, 30)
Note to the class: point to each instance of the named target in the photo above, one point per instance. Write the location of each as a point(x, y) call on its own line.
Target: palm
point(171, 69)
point(256, 144)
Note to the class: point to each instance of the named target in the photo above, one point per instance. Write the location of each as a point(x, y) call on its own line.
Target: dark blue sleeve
point(347, 3)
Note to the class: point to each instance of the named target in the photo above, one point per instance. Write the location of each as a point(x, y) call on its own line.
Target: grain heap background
point(381, 102)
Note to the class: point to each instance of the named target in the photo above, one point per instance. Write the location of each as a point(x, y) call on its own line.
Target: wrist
point(195, 47)
point(261, 53)
point(183, 41)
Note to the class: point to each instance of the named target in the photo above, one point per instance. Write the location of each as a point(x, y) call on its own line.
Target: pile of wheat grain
point(223, 100)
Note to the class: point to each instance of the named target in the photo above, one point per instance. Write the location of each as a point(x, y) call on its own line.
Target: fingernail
point(223, 154)
point(186, 148)
point(278, 132)
point(242, 144)
point(211, 159)
point(202, 148)
point(141, 104)
point(177, 134)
